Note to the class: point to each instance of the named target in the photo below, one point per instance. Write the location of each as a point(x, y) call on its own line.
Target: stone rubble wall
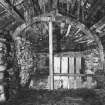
point(25, 59)
point(92, 60)
point(3, 68)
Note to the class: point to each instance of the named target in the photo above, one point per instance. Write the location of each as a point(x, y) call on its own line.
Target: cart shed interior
point(51, 45)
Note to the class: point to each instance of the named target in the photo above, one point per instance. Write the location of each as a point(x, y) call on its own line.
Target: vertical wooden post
point(51, 82)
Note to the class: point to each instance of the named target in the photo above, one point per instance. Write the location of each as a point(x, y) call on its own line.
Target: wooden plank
point(71, 74)
point(56, 64)
point(71, 65)
point(64, 65)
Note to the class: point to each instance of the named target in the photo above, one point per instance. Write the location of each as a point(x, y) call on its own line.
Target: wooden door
point(65, 69)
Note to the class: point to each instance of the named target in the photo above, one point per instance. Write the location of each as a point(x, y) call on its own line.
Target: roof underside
point(89, 12)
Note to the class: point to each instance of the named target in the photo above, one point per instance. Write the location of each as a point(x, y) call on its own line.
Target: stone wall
point(91, 66)
point(24, 58)
point(92, 60)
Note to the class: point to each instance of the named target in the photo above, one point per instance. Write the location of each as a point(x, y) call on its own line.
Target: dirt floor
point(59, 97)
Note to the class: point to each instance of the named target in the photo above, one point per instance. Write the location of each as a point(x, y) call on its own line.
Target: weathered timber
point(51, 55)
point(12, 11)
point(98, 26)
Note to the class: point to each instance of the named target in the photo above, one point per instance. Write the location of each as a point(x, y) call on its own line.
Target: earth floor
point(56, 97)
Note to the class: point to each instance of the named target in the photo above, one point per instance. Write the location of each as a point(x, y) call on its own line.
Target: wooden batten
point(69, 54)
point(71, 74)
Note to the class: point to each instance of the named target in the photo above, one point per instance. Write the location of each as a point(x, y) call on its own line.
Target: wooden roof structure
point(88, 14)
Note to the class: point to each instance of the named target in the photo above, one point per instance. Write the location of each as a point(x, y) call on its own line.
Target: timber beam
point(12, 11)
point(98, 26)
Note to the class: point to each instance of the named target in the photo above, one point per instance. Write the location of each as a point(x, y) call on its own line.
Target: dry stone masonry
point(3, 67)
point(24, 58)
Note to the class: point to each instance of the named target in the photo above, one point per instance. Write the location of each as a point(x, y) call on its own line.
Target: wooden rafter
point(12, 11)
point(99, 25)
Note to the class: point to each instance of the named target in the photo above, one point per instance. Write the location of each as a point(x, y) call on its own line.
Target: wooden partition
point(65, 70)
